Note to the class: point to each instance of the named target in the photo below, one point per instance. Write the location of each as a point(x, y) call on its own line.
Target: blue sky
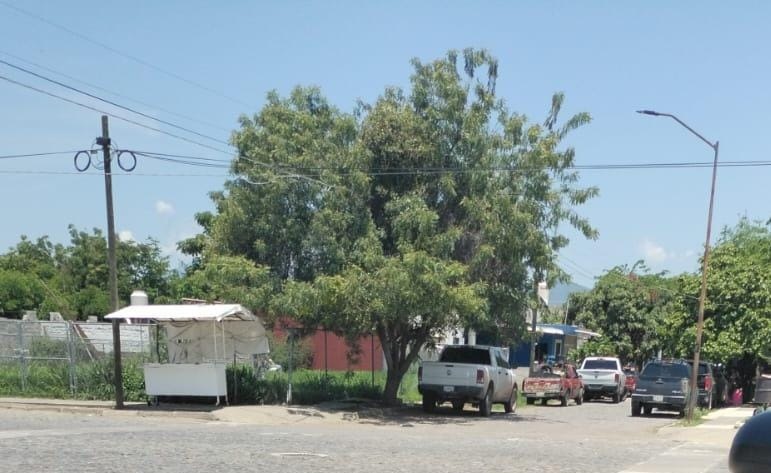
point(703, 61)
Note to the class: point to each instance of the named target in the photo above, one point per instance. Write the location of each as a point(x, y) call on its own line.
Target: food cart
point(201, 340)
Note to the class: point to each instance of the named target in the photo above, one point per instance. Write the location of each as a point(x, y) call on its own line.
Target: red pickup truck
point(549, 382)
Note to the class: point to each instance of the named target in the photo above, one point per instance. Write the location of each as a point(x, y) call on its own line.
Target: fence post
point(71, 355)
point(22, 360)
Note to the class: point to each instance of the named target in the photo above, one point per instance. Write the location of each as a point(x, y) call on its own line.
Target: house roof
point(563, 329)
point(184, 312)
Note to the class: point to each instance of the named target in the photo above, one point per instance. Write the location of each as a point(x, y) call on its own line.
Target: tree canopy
point(73, 279)
point(431, 208)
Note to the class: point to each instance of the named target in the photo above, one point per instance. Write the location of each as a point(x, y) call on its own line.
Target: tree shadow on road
point(413, 414)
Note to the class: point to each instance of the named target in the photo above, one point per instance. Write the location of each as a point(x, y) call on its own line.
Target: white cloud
point(164, 208)
point(126, 235)
point(654, 252)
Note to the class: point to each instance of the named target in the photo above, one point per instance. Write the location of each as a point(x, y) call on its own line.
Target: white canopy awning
point(184, 312)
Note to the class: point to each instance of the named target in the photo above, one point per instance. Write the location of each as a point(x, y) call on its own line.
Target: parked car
point(560, 382)
point(663, 385)
point(631, 381)
point(474, 374)
point(602, 376)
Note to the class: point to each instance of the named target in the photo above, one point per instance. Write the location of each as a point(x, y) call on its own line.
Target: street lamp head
point(649, 112)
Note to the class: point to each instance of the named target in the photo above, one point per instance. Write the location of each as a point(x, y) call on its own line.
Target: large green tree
point(431, 208)
point(737, 314)
point(628, 307)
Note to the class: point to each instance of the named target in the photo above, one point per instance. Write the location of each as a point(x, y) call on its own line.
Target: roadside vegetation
point(434, 207)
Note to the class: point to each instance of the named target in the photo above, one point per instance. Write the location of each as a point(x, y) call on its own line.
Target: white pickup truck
point(603, 376)
point(468, 373)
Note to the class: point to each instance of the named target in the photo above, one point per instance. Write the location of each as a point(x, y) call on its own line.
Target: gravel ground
point(595, 437)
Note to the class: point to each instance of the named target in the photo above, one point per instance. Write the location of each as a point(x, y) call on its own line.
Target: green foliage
point(737, 315)
point(396, 218)
point(594, 347)
point(628, 309)
point(51, 379)
point(73, 280)
point(313, 387)
point(302, 354)
point(230, 279)
point(19, 292)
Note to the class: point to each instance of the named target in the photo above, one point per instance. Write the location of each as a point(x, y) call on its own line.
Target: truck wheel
point(580, 398)
point(647, 410)
point(544, 401)
point(511, 405)
point(429, 403)
point(530, 401)
point(486, 404)
point(636, 409)
point(587, 397)
point(564, 400)
point(457, 405)
point(616, 398)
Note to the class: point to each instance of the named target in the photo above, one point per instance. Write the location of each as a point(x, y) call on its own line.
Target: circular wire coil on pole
point(133, 160)
point(82, 167)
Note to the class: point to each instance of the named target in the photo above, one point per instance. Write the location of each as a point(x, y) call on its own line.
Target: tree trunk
point(391, 391)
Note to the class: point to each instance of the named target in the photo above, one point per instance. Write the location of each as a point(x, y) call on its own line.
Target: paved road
point(595, 437)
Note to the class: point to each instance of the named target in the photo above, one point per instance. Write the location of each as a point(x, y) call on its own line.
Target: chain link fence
point(71, 359)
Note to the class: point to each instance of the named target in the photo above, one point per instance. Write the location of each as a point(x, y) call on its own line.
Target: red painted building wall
point(330, 351)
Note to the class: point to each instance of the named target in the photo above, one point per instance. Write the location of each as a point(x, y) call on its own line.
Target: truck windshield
point(600, 365)
point(665, 370)
point(471, 355)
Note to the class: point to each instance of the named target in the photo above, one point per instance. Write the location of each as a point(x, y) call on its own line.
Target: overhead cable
point(114, 104)
point(116, 94)
point(126, 55)
point(118, 117)
point(32, 155)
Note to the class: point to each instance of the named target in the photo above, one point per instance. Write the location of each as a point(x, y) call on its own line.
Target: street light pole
point(705, 261)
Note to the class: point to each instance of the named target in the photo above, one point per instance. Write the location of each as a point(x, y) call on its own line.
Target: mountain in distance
point(559, 294)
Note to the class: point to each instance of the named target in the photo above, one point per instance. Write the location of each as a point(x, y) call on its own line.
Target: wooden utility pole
point(104, 141)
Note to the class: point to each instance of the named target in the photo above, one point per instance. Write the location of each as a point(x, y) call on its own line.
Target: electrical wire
point(575, 267)
point(116, 94)
point(123, 54)
point(118, 117)
point(32, 155)
point(110, 102)
point(99, 174)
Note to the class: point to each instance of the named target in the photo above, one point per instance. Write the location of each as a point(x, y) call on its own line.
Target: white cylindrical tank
point(139, 297)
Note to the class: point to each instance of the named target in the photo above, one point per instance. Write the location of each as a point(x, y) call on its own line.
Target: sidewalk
point(265, 415)
point(700, 449)
point(100, 408)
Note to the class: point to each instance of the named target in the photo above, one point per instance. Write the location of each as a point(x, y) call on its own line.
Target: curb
point(102, 411)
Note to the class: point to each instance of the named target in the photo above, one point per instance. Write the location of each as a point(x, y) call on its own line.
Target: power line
point(180, 156)
point(32, 155)
point(116, 94)
point(99, 174)
point(575, 266)
point(118, 117)
point(110, 102)
point(126, 55)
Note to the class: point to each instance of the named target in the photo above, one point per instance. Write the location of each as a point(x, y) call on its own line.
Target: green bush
point(94, 381)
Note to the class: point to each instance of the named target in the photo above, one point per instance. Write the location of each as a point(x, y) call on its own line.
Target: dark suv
point(664, 385)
